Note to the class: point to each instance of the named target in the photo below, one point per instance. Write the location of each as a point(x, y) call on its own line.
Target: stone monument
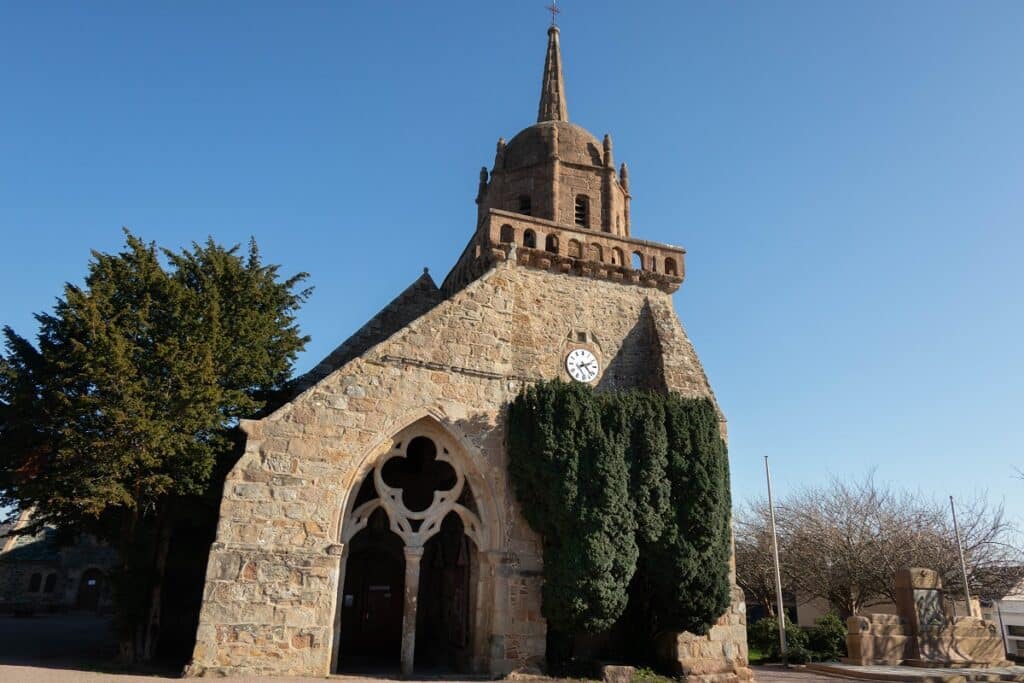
point(921, 634)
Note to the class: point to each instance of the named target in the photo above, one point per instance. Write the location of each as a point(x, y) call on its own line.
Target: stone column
point(556, 186)
point(501, 611)
point(340, 550)
point(412, 590)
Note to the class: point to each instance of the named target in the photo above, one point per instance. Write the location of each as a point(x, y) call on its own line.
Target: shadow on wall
point(637, 365)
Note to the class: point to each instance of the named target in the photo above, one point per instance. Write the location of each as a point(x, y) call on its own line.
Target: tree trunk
point(127, 635)
point(151, 634)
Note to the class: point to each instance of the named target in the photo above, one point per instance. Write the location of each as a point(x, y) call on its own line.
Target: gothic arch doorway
point(414, 510)
point(371, 606)
point(447, 574)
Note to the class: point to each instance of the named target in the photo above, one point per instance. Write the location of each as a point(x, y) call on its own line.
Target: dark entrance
point(89, 589)
point(371, 604)
point(443, 615)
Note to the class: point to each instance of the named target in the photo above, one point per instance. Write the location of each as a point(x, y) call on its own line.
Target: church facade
point(371, 520)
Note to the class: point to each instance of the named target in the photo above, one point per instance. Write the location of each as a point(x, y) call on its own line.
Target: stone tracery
point(416, 527)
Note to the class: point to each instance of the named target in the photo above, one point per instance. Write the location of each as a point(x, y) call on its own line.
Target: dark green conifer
point(131, 400)
point(630, 493)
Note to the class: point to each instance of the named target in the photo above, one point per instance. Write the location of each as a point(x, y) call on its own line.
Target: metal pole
point(1002, 629)
point(778, 574)
point(963, 565)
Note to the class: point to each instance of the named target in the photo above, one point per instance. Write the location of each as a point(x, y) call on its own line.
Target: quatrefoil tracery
point(419, 475)
point(418, 472)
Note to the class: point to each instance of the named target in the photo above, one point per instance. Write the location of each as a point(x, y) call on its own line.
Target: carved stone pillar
point(413, 555)
point(556, 171)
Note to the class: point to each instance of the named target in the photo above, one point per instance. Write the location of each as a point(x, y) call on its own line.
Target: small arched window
point(551, 244)
point(575, 249)
point(525, 206)
point(638, 261)
point(617, 258)
point(508, 234)
point(670, 266)
point(583, 211)
point(530, 239)
point(596, 253)
point(51, 583)
point(35, 582)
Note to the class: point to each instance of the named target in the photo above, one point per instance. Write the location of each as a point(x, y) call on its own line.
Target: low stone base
point(615, 673)
point(877, 661)
point(718, 657)
point(717, 678)
point(928, 664)
point(624, 674)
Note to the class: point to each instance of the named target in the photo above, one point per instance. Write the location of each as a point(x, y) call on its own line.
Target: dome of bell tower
point(533, 145)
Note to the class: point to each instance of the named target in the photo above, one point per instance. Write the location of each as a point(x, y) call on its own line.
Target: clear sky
point(848, 179)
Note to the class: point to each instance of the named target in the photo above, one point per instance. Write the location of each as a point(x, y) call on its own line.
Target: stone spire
point(552, 89)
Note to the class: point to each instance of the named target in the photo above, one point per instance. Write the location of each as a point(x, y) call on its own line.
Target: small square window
point(525, 204)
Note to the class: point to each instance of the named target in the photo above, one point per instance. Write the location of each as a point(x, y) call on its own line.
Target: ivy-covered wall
point(630, 492)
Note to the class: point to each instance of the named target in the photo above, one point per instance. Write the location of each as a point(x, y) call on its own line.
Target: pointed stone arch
point(470, 498)
point(461, 454)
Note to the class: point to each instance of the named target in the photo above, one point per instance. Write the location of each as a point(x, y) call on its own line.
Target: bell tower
point(554, 200)
point(556, 170)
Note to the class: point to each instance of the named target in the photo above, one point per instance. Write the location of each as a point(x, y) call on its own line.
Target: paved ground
point(777, 674)
point(928, 675)
point(79, 649)
point(38, 674)
point(56, 639)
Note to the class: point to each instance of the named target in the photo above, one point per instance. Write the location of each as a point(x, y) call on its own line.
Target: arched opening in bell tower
point(582, 211)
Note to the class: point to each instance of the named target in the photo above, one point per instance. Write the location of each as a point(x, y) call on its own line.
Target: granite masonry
point(370, 520)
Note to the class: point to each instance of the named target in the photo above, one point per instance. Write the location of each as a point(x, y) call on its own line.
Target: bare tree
point(844, 543)
point(992, 548)
point(755, 567)
point(830, 538)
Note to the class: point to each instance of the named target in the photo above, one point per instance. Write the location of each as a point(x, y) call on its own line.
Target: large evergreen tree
point(630, 493)
point(132, 397)
point(688, 568)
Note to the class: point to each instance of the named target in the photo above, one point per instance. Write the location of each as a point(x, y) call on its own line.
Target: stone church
point(371, 521)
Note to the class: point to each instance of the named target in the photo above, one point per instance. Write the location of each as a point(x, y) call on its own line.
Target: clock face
point(582, 365)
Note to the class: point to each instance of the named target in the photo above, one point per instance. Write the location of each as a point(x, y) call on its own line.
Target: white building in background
point(1008, 613)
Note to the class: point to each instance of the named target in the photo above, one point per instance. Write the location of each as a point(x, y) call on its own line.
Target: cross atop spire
point(552, 89)
point(553, 8)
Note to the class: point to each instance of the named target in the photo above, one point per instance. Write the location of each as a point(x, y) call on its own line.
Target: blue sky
point(846, 177)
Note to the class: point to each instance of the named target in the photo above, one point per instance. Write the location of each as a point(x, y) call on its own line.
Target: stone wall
point(57, 569)
point(720, 656)
point(274, 573)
